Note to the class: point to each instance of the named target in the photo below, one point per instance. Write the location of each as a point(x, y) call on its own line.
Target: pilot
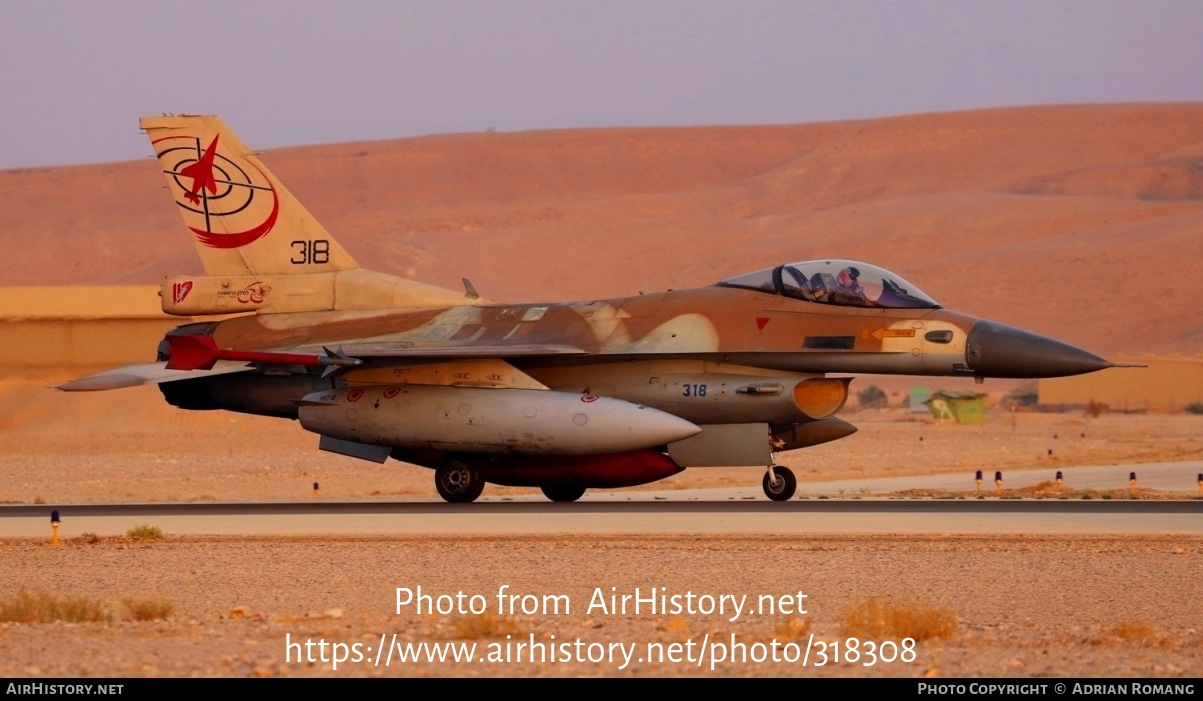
point(847, 288)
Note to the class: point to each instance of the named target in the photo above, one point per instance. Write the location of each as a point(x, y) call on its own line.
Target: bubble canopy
point(845, 283)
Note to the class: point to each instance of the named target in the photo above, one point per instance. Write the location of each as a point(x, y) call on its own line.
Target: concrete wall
point(75, 329)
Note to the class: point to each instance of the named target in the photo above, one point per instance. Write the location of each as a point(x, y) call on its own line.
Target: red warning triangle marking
point(761, 322)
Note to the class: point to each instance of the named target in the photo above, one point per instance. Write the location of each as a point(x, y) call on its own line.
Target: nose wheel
point(458, 482)
point(779, 483)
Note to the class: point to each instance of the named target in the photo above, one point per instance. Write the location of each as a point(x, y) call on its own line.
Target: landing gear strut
point(779, 483)
point(458, 482)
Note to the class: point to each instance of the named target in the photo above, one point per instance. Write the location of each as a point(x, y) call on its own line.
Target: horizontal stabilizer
point(146, 374)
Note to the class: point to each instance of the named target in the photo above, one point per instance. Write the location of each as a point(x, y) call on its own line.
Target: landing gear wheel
point(458, 482)
point(783, 488)
point(563, 492)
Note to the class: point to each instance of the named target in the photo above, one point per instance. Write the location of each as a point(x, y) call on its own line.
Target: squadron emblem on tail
point(220, 194)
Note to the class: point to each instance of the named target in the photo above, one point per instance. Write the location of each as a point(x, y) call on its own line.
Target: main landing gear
point(457, 481)
point(779, 483)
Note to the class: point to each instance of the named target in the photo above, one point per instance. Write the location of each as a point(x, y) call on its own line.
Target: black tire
point(785, 486)
point(563, 492)
point(458, 482)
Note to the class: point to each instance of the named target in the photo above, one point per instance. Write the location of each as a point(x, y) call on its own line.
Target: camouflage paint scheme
point(721, 375)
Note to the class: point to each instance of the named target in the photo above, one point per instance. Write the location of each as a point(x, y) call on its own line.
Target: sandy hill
point(1083, 222)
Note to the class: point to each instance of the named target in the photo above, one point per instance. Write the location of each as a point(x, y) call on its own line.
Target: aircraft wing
point(467, 350)
point(147, 374)
point(200, 352)
point(192, 359)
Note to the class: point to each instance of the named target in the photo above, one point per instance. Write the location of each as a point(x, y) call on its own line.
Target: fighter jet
point(564, 396)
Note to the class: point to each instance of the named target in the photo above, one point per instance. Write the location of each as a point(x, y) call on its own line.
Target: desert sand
point(1020, 607)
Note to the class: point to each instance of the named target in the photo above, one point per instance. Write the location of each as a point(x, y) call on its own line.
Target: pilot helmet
point(847, 277)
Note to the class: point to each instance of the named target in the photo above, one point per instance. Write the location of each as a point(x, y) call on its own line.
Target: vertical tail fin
point(243, 220)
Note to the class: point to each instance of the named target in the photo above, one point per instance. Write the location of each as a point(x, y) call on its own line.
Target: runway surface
point(859, 510)
point(860, 507)
point(641, 517)
point(1164, 476)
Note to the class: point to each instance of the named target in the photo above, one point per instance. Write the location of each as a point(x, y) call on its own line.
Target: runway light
point(54, 524)
point(316, 489)
point(1200, 482)
point(998, 484)
point(978, 479)
point(1132, 483)
point(1058, 479)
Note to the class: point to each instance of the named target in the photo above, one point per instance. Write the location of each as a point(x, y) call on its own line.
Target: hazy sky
point(76, 75)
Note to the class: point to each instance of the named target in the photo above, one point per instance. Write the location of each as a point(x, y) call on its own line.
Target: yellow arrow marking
point(893, 333)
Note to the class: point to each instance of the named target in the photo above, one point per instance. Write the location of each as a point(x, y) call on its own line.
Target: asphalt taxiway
point(855, 507)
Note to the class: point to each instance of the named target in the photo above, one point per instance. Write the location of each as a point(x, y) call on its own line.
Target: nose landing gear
point(779, 483)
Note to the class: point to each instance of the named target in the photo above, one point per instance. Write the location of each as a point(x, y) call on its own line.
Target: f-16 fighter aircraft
point(564, 396)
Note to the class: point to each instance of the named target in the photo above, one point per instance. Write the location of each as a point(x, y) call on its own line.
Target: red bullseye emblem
point(218, 194)
point(589, 398)
point(391, 392)
point(354, 395)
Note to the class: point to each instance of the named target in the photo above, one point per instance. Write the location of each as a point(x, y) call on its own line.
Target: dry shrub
point(676, 624)
point(1047, 488)
point(145, 532)
point(874, 619)
point(485, 625)
point(148, 609)
point(42, 607)
point(1129, 630)
point(793, 629)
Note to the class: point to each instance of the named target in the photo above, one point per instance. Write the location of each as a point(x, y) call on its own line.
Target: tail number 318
point(316, 251)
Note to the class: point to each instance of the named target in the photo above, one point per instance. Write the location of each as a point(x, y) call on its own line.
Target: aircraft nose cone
point(998, 350)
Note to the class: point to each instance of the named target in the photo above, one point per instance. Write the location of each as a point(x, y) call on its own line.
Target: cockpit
point(845, 283)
